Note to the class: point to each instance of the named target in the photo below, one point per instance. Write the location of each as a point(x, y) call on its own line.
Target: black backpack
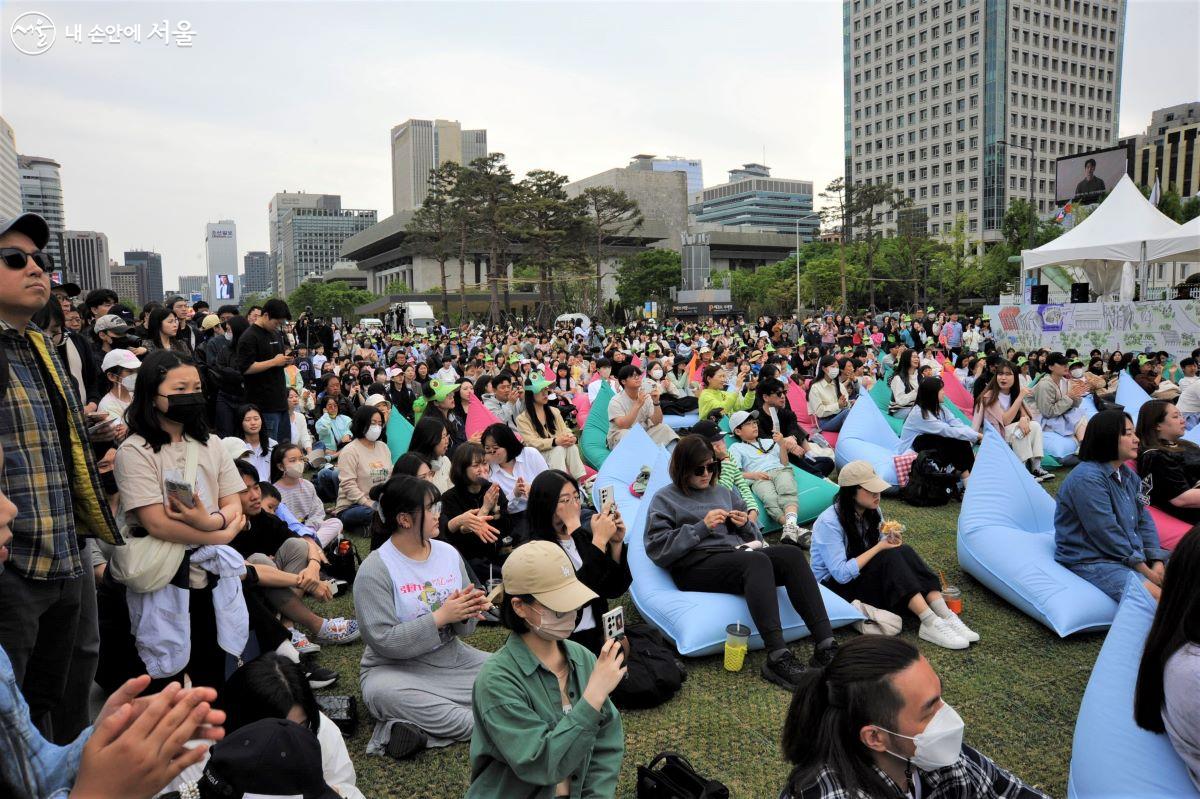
point(930, 483)
point(671, 776)
point(653, 674)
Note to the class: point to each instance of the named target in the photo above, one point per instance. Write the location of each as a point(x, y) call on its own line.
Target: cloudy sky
point(156, 140)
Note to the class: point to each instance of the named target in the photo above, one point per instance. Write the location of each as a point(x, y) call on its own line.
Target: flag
point(1155, 192)
point(1063, 212)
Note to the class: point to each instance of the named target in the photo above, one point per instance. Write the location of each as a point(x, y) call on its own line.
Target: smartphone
point(100, 425)
point(182, 492)
point(613, 623)
point(607, 500)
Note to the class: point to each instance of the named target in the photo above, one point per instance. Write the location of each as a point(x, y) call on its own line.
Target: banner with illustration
point(1170, 325)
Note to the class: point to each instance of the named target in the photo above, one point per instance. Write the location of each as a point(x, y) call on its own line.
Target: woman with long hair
point(1002, 404)
point(415, 602)
point(1102, 530)
point(931, 426)
point(1165, 699)
point(827, 399)
point(1168, 464)
point(249, 422)
point(542, 427)
point(904, 384)
point(856, 557)
point(476, 520)
point(431, 438)
point(513, 467)
point(163, 333)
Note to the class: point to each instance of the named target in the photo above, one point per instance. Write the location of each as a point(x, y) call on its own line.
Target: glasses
point(16, 258)
point(575, 496)
point(712, 467)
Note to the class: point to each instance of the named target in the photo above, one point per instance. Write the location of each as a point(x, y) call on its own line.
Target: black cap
point(708, 431)
point(32, 225)
point(270, 757)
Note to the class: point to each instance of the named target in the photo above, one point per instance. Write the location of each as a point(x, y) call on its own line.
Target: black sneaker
point(784, 672)
point(823, 654)
point(319, 677)
point(407, 740)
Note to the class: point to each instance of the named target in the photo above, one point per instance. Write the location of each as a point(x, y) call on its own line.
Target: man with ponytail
point(872, 725)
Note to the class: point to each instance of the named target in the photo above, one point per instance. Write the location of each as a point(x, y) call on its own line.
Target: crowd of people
point(175, 486)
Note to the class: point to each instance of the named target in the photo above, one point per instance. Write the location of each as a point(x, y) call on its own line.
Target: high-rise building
point(310, 240)
point(125, 282)
point(754, 199)
point(948, 101)
point(420, 145)
point(1168, 149)
point(279, 205)
point(148, 265)
point(257, 275)
point(85, 259)
point(220, 250)
point(10, 175)
point(674, 163)
point(41, 193)
point(191, 286)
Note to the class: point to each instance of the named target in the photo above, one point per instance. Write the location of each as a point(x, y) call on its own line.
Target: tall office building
point(41, 193)
point(1168, 149)
point(192, 286)
point(754, 199)
point(10, 175)
point(125, 282)
point(85, 259)
point(420, 145)
point(310, 240)
point(674, 163)
point(943, 98)
point(148, 265)
point(257, 275)
point(220, 251)
point(279, 205)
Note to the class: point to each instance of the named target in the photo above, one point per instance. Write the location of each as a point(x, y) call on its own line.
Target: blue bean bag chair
point(1006, 542)
point(593, 439)
point(867, 436)
point(1131, 395)
point(635, 450)
point(1111, 754)
point(1059, 446)
point(696, 620)
point(677, 422)
point(1193, 435)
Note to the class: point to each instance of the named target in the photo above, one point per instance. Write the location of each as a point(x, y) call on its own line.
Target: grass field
point(1018, 690)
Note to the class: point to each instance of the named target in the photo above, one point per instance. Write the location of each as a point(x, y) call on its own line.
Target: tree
point(611, 214)
point(911, 248)
point(648, 276)
point(432, 227)
point(248, 301)
point(1017, 221)
point(1190, 209)
point(863, 205)
point(1170, 205)
point(488, 193)
point(552, 227)
point(398, 286)
point(836, 215)
point(333, 299)
point(952, 264)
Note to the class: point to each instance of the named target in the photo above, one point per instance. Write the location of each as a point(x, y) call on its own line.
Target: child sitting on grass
point(764, 463)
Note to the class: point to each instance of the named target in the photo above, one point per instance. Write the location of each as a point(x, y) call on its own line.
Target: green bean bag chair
point(814, 495)
point(593, 440)
point(882, 394)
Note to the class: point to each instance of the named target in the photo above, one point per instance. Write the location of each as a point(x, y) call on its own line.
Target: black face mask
point(185, 408)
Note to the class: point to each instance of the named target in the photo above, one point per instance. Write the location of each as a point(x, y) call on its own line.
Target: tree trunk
point(842, 271)
point(462, 278)
point(599, 301)
point(507, 288)
point(445, 294)
point(494, 287)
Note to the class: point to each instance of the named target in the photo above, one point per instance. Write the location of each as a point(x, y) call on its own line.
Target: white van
point(418, 316)
point(370, 323)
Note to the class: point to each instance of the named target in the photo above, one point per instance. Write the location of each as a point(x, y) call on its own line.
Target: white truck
point(417, 315)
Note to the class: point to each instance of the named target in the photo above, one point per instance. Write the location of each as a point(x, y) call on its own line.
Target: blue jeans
point(327, 483)
point(832, 424)
point(1106, 575)
point(276, 425)
point(357, 516)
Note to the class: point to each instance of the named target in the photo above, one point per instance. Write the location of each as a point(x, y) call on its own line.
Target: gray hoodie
point(675, 523)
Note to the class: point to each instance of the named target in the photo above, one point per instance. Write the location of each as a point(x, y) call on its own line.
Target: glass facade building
point(311, 240)
point(752, 199)
point(41, 193)
point(148, 266)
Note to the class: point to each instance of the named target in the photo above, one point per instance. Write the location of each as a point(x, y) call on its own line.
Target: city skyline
point(223, 155)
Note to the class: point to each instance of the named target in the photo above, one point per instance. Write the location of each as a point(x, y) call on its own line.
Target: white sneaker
point(303, 645)
point(965, 632)
point(938, 631)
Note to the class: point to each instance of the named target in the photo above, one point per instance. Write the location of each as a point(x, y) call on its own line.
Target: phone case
point(614, 623)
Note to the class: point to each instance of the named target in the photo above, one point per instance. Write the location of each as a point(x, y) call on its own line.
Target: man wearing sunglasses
point(46, 589)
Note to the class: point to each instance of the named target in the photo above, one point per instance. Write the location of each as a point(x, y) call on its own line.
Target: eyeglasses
point(16, 258)
point(712, 467)
point(576, 496)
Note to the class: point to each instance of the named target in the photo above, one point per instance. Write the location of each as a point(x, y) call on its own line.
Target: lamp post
point(800, 219)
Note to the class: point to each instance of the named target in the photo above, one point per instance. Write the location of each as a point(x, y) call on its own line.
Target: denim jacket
point(1101, 517)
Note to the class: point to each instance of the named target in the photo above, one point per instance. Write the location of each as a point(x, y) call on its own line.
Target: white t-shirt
point(114, 407)
point(587, 619)
point(420, 587)
point(141, 472)
point(529, 464)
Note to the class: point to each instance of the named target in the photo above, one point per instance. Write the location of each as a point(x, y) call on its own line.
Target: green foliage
point(1016, 223)
point(433, 229)
point(553, 228)
point(1190, 209)
point(649, 276)
point(611, 213)
point(248, 301)
point(486, 192)
point(1170, 205)
point(328, 299)
point(397, 286)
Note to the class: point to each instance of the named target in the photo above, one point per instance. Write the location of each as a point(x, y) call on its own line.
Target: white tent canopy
point(1115, 233)
point(1182, 245)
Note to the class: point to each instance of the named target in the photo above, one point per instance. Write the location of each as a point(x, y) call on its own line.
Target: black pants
point(821, 467)
point(889, 580)
point(754, 575)
point(949, 450)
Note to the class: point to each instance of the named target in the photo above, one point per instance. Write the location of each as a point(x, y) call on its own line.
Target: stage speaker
point(1039, 294)
point(1079, 292)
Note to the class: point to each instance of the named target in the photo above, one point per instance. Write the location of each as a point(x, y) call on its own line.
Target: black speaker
point(1039, 294)
point(1079, 292)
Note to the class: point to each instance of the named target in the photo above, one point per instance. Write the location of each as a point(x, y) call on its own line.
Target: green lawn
point(1018, 690)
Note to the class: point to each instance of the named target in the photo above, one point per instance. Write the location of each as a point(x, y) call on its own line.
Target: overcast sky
point(156, 140)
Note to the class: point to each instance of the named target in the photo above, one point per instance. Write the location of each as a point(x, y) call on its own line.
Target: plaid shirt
point(974, 776)
point(36, 768)
point(54, 503)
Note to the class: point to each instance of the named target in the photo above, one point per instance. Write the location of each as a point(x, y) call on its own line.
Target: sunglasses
point(16, 258)
point(711, 467)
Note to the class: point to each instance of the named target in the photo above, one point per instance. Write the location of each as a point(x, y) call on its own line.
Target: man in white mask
point(880, 693)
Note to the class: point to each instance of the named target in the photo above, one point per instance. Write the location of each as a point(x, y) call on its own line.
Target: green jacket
point(524, 745)
point(729, 402)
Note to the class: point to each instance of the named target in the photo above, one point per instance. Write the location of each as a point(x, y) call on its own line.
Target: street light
point(800, 219)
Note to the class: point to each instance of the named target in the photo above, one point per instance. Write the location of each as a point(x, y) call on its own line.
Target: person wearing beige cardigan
point(541, 426)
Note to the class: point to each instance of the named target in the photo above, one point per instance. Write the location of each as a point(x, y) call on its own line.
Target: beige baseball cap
point(861, 473)
point(542, 568)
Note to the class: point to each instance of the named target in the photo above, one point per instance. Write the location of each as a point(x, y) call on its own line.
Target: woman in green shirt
point(716, 397)
point(544, 725)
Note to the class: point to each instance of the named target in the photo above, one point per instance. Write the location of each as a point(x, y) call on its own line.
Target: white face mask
point(832, 372)
point(229, 335)
point(939, 745)
point(1076, 373)
point(294, 470)
point(374, 432)
point(656, 374)
point(128, 382)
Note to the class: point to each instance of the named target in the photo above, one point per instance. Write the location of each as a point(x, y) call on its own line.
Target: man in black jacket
point(774, 414)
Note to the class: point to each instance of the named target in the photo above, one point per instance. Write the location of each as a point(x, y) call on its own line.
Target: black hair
point(97, 297)
point(427, 434)
point(277, 455)
point(509, 617)
point(410, 463)
point(464, 457)
point(907, 360)
point(832, 704)
point(143, 417)
point(269, 490)
point(239, 417)
point(847, 512)
point(505, 439)
point(229, 309)
point(627, 371)
point(268, 687)
point(1176, 623)
point(1186, 362)
point(246, 469)
point(276, 309)
point(1100, 438)
point(1090, 162)
point(544, 492)
point(690, 451)
point(403, 493)
point(50, 315)
point(154, 326)
point(362, 419)
point(1056, 359)
point(170, 301)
